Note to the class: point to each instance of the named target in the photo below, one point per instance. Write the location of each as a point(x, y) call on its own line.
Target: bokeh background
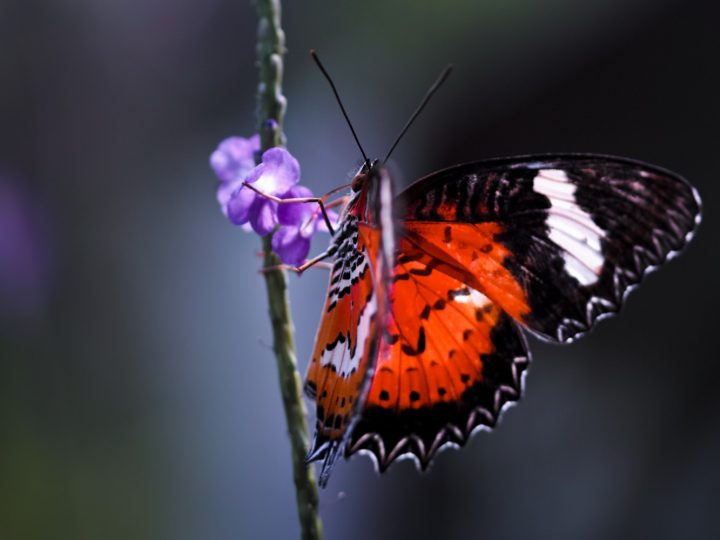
point(138, 394)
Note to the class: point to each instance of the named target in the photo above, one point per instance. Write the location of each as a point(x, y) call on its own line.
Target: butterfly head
point(363, 176)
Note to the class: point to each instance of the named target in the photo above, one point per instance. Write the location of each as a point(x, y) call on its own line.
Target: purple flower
point(232, 161)
point(25, 253)
point(277, 175)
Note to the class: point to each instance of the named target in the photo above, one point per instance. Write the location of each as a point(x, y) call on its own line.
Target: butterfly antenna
point(337, 96)
point(437, 84)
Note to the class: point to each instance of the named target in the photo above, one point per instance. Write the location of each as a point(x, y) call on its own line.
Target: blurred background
point(138, 394)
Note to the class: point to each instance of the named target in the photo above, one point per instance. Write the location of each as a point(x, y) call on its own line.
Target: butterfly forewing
point(579, 230)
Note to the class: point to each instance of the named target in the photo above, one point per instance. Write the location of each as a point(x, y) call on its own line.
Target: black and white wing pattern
point(580, 230)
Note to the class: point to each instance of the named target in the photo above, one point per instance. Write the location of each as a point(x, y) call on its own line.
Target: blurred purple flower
point(278, 175)
point(232, 161)
point(25, 261)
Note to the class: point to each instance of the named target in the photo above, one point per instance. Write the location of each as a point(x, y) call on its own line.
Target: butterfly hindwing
point(579, 230)
point(448, 362)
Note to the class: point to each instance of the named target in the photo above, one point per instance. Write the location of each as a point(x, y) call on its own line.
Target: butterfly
point(422, 341)
point(431, 292)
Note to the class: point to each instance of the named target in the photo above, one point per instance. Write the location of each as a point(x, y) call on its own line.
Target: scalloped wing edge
point(450, 436)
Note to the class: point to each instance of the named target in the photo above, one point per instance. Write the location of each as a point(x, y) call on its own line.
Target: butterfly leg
point(319, 200)
point(315, 262)
point(340, 201)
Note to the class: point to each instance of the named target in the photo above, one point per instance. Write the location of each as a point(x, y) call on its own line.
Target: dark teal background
point(138, 393)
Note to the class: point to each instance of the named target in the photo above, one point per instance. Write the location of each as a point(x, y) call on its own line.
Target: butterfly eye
point(358, 181)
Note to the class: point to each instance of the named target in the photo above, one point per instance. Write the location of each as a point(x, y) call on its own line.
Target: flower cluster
point(277, 176)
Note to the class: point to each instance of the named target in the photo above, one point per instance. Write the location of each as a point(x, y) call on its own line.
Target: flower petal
point(334, 219)
point(239, 204)
point(278, 172)
point(234, 157)
point(225, 192)
point(290, 245)
point(296, 213)
point(263, 216)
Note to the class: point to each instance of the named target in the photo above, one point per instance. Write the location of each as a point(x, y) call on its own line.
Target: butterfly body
point(421, 340)
point(354, 312)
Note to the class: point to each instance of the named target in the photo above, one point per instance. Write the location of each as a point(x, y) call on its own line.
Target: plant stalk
point(271, 106)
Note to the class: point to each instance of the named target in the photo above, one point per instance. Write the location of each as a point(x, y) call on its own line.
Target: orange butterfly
point(421, 338)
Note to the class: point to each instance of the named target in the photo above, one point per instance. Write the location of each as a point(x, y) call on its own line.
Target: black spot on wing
point(419, 348)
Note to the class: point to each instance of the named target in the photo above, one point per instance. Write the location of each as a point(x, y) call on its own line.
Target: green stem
point(271, 111)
